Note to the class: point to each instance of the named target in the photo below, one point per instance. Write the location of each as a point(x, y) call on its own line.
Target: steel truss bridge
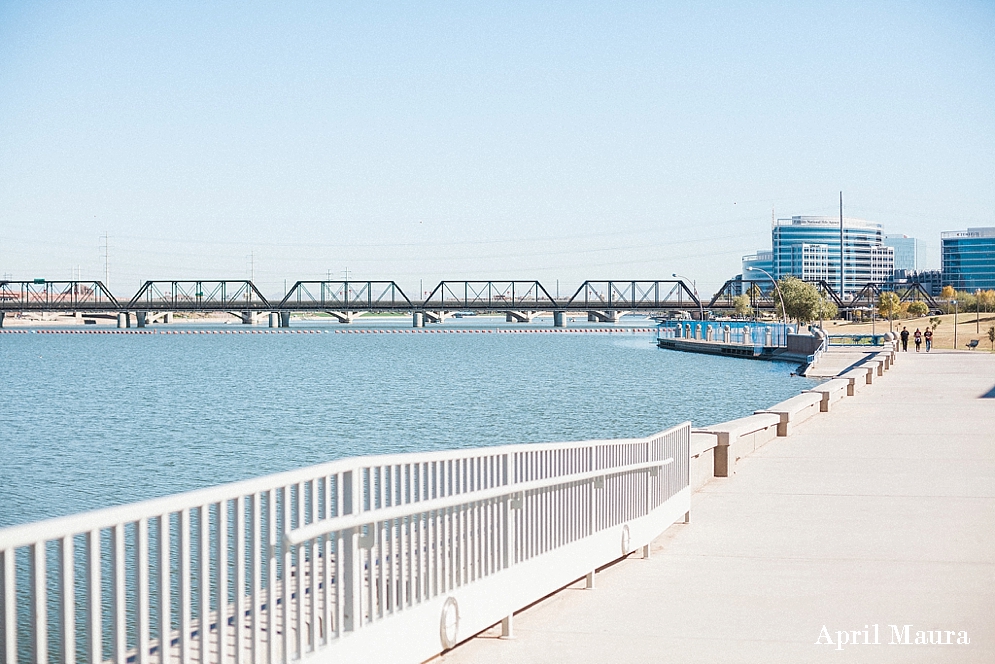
point(762, 295)
point(602, 301)
point(520, 301)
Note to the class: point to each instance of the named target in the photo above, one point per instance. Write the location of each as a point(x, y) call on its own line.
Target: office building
point(763, 259)
point(931, 281)
point(906, 251)
point(969, 258)
point(862, 244)
point(882, 264)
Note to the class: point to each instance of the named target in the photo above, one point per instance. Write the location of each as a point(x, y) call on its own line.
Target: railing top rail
point(344, 521)
point(74, 524)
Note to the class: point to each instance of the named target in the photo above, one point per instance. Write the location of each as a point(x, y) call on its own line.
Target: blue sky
point(422, 141)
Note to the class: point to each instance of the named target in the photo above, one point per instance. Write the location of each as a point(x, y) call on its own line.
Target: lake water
point(92, 421)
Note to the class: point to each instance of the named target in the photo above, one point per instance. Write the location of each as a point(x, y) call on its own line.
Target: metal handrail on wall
point(388, 558)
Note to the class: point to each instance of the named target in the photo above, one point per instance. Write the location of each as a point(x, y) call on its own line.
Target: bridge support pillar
point(274, 320)
point(142, 318)
point(284, 319)
point(559, 319)
point(345, 317)
point(435, 316)
point(2, 314)
point(417, 319)
point(123, 320)
point(602, 316)
point(249, 317)
point(518, 316)
point(167, 318)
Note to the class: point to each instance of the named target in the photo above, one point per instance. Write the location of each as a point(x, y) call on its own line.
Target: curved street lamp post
point(784, 315)
point(694, 287)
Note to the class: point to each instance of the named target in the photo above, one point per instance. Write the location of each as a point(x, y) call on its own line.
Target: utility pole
point(107, 263)
point(842, 252)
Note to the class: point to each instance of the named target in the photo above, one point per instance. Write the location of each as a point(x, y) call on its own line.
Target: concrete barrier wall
point(717, 448)
point(702, 458)
point(793, 411)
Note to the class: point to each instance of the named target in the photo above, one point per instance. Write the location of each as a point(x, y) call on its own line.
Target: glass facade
point(905, 251)
point(860, 239)
point(763, 259)
point(969, 258)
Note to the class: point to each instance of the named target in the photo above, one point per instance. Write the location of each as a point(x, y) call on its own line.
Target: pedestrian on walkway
point(918, 339)
point(905, 339)
point(928, 335)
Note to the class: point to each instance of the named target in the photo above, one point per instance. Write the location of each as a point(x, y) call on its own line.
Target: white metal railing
point(388, 558)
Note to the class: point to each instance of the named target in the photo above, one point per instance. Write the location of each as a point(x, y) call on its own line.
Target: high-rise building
point(763, 259)
point(969, 258)
point(810, 262)
point(882, 263)
point(906, 251)
point(862, 245)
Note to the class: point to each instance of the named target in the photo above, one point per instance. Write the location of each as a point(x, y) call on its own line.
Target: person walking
point(905, 339)
point(928, 336)
point(918, 337)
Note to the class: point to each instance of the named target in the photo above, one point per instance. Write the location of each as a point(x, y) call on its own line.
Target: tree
point(827, 309)
point(888, 305)
point(991, 336)
point(741, 303)
point(948, 293)
point(918, 309)
point(802, 301)
point(935, 321)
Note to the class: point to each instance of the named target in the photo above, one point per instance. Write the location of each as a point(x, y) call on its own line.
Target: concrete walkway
point(881, 512)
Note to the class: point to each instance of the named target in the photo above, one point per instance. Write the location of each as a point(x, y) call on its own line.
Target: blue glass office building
point(905, 251)
point(969, 259)
point(862, 243)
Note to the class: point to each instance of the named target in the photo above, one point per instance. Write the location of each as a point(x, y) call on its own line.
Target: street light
point(784, 315)
point(955, 324)
point(694, 287)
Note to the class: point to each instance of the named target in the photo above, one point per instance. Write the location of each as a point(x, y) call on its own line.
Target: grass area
point(943, 336)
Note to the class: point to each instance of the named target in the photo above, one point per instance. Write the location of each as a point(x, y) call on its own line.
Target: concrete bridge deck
point(880, 512)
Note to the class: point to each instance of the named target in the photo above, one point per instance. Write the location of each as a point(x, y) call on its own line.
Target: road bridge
point(520, 301)
point(602, 301)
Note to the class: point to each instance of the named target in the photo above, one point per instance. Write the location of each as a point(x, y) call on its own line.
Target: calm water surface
point(93, 421)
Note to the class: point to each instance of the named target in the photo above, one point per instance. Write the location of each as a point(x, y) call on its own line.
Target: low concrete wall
point(737, 438)
point(803, 344)
point(702, 458)
point(716, 449)
point(794, 411)
point(830, 392)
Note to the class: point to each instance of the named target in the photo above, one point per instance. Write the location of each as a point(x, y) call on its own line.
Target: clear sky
point(428, 140)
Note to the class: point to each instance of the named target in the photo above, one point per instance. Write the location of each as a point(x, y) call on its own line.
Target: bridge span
point(520, 301)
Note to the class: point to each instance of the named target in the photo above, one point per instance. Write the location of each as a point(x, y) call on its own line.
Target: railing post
point(39, 613)
point(351, 579)
point(67, 562)
point(94, 617)
point(8, 611)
